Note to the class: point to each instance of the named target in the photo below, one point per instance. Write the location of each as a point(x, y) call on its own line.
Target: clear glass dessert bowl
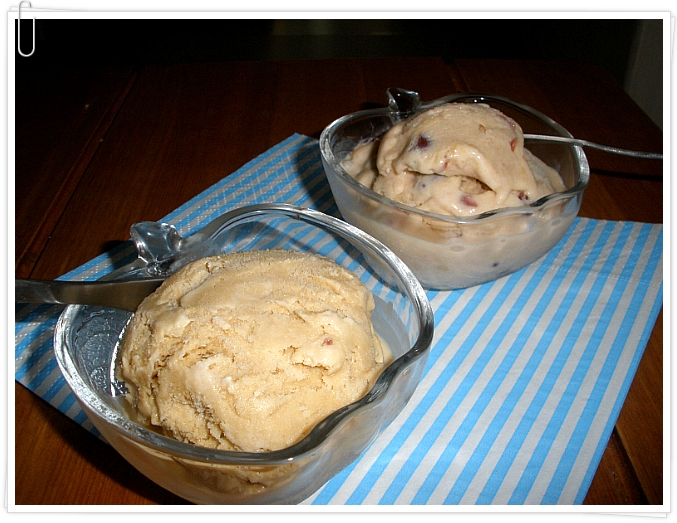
point(449, 252)
point(87, 339)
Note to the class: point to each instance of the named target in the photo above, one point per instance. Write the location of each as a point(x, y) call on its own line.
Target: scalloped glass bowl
point(447, 252)
point(86, 342)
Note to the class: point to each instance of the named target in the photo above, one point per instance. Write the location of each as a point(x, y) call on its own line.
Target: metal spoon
point(125, 295)
point(593, 145)
point(404, 103)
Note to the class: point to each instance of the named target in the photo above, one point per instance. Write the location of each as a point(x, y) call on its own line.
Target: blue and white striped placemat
point(526, 377)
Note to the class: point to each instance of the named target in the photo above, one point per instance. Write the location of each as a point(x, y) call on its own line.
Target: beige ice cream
point(455, 159)
point(248, 351)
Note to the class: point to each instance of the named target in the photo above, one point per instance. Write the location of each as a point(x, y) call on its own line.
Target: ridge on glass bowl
point(86, 342)
point(449, 252)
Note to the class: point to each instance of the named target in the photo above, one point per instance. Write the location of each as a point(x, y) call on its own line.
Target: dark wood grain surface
point(105, 148)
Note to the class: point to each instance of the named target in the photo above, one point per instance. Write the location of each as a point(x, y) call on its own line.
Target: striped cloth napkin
point(526, 376)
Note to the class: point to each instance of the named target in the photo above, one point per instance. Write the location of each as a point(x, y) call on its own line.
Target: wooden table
point(100, 149)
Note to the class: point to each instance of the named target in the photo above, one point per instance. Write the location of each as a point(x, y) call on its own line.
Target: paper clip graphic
point(18, 45)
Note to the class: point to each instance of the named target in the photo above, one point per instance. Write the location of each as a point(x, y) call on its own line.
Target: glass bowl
point(448, 252)
point(87, 338)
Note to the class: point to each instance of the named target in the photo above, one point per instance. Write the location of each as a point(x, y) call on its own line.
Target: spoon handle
point(585, 143)
point(125, 295)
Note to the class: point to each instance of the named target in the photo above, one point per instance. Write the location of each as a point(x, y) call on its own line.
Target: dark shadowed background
point(629, 49)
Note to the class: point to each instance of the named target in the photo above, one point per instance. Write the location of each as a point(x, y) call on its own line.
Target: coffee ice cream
point(249, 351)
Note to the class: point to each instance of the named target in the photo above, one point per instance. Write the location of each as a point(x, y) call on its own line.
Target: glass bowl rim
point(535, 207)
point(323, 430)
